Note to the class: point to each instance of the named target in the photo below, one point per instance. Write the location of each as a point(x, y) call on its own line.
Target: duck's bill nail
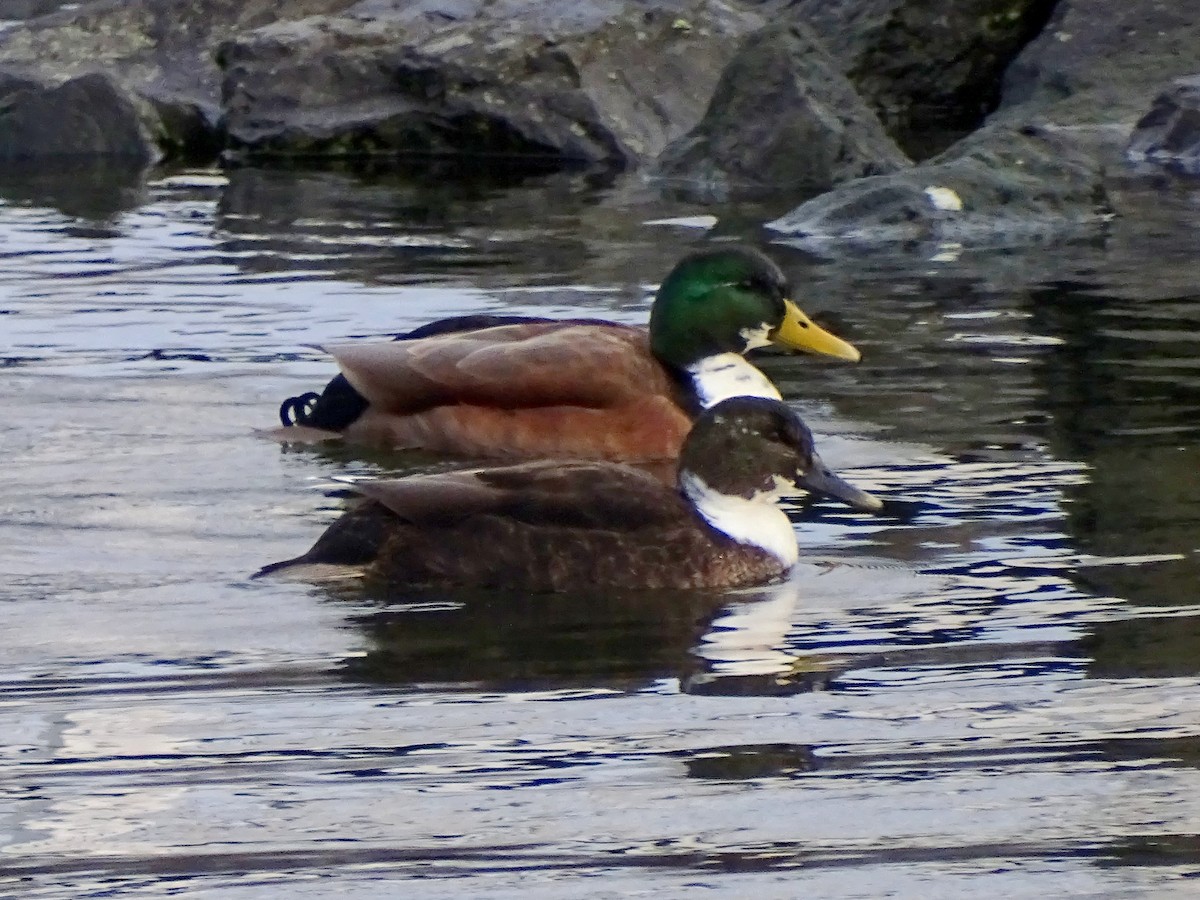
point(822, 481)
point(799, 332)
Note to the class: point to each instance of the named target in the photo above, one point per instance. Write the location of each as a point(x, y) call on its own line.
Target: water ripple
point(991, 688)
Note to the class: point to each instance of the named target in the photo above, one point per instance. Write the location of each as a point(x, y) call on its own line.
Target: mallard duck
point(581, 388)
point(566, 526)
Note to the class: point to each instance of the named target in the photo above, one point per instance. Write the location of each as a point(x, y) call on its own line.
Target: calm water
point(998, 694)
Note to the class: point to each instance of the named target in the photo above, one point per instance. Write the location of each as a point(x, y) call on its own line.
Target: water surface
point(997, 694)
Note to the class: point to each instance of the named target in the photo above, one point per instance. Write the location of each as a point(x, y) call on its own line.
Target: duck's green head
point(731, 300)
point(751, 447)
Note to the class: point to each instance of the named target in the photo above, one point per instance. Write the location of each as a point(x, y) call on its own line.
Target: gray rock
point(1101, 62)
point(1037, 169)
point(27, 9)
point(1170, 132)
point(11, 82)
point(999, 187)
point(610, 81)
point(930, 69)
point(782, 117)
point(89, 115)
point(160, 50)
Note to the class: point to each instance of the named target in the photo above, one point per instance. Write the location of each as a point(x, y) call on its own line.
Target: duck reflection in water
point(701, 641)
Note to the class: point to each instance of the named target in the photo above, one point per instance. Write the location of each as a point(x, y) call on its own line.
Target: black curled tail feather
point(333, 409)
point(296, 410)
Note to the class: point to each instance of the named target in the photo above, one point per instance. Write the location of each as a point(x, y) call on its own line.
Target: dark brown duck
point(565, 526)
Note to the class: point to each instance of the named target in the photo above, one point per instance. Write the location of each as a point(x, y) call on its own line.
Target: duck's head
point(731, 300)
point(756, 449)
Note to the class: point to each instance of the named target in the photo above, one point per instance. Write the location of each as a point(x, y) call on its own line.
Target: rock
point(158, 50)
point(1100, 62)
point(781, 117)
point(999, 187)
point(27, 9)
point(1121, 75)
point(11, 83)
point(1037, 168)
point(610, 81)
point(1170, 132)
point(931, 70)
point(88, 115)
point(183, 129)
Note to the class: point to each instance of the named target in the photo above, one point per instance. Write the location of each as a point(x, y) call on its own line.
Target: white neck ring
point(726, 375)
point(756, 521)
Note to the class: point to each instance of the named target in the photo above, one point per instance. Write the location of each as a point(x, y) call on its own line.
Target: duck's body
point(584, 389)
point(540, 526)
point(563, 526)
point(530, 390)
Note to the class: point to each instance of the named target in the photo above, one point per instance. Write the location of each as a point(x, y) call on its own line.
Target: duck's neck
point(724, 375)
point(757, 521)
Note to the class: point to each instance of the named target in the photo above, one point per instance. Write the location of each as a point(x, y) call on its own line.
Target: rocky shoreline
point(880, 120)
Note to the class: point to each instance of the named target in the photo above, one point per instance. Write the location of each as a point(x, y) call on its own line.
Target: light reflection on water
point(995, 690)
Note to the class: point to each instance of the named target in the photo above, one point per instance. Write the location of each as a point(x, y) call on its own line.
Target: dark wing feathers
point(564, 494)
point(586, 495)
point(477, 321)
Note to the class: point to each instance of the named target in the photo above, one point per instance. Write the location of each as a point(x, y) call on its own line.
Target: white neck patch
point(757, 337)
point(757, 521)
point(726, 375)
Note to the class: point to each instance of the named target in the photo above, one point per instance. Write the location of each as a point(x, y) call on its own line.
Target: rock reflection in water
point(91, 190)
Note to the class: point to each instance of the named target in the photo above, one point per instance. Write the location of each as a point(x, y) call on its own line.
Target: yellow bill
point(799, 332)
